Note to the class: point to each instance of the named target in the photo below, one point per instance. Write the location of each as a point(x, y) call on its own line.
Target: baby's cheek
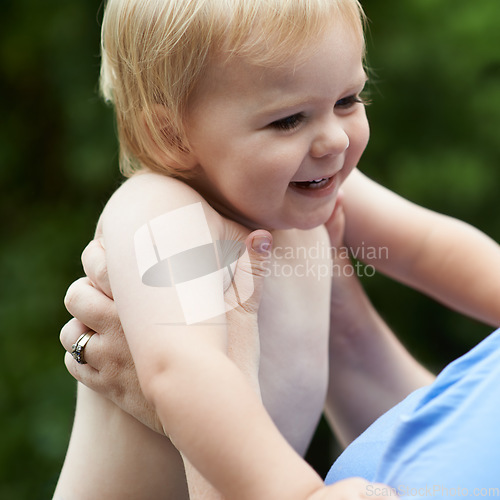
point(363, 132)
point(358, 143)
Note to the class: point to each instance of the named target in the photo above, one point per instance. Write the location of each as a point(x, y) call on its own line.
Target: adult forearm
point(103, 459)
point(441, 256)
point(370, 370)
point(460, 266)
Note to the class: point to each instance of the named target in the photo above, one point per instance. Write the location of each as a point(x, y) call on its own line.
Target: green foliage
point(57, 167)
point(435, 74)
point(435, 71)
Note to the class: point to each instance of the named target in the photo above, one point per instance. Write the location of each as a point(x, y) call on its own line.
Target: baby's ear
point(165, 139)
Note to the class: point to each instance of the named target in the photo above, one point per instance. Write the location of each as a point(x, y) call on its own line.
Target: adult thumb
point(335, 225)
point(251, 269)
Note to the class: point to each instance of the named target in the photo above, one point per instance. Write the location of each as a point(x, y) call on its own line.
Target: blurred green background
point(435, 122)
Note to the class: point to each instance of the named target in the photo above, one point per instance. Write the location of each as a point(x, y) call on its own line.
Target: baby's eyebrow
point(361, 83)
point(285, 103)
point(291, 102)
point(365, 78)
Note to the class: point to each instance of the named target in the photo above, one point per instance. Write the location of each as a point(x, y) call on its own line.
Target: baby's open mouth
point(314, 184)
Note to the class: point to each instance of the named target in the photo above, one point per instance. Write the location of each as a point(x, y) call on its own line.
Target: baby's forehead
point(324, 67)
point(275, 48)
point(280, 62)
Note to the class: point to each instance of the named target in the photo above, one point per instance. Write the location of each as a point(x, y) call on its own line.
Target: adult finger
point(92, 307)
point(335, 225)
point(85, 374)
point(107, 358)
point(354, 488)
point(251, 269)
point(69, 335)
point(94, 265)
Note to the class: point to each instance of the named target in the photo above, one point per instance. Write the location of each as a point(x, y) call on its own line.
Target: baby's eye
point(288, 123)
point(348, 102)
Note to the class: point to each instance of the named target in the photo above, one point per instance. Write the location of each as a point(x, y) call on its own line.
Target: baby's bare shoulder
point(146, 188)
point(148, 195)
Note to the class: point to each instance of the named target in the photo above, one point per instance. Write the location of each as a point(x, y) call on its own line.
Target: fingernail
point(261, 244)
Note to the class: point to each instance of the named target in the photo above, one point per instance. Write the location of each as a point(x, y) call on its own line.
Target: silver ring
point(78, 347)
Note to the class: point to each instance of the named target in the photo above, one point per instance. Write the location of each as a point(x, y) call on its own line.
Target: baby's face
point(273, 146)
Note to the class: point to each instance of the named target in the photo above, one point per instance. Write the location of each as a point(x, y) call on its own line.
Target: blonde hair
point(154, 52)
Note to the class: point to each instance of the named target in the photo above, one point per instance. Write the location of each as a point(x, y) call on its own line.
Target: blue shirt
point(442, 440)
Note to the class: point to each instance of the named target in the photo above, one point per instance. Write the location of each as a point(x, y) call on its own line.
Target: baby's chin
point(302, 222)
point(306, 225)
point(314, 220)
point(311, 225)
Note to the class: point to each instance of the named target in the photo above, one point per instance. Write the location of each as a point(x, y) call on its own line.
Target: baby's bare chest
point(294, 326)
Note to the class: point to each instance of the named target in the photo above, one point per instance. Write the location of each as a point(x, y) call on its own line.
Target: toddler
point(235, 115)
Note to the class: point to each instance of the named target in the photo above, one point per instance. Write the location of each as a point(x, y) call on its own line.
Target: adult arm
point(370, 370)
point(442, 257)
point(111, 454)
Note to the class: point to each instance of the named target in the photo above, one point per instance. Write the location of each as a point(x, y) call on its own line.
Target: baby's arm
point(110, 371)
point(206, 405)
point(157, 472)
point(443, 257)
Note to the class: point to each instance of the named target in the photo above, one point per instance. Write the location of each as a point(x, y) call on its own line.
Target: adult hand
point(109, 368)
point(335, 225)
point(354, 489)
